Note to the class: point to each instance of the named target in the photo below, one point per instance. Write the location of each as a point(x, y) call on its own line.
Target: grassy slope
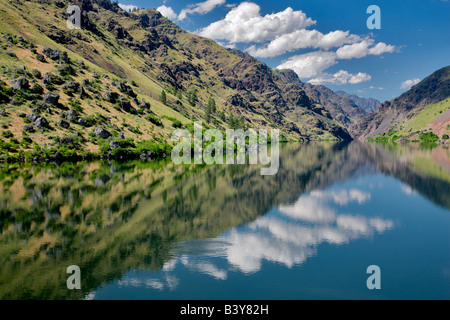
point(106, 55)
point(420, 121)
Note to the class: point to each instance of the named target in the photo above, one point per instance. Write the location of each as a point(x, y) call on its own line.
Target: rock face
point(72, 115)
point(28, 128)
point(21, 84)
point(57, 156)
point(71, 87)
point(367, 104)
point(102, 133)
point(51, 53)
point(111, 96)
point(82, 122)
point(51, 98)
point(114, 144)
point(125, 105)
point(41, 123)
point(40, 57)
point(127, 89)
point(32, 116)
point(64, 124)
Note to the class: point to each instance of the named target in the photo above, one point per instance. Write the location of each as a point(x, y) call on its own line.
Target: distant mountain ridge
point(390, 115)
point(367, 104)
point(342, 108)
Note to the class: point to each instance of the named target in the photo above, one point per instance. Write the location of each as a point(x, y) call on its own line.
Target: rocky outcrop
point(102, 133)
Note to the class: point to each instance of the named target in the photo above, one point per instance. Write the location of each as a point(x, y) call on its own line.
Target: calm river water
point(152, 230)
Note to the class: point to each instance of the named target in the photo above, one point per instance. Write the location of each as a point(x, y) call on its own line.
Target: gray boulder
point(21, 84)
point(32, 116)
point(53, 54)
point(111, 96)
point(82, 122)
point(57, 156)
point(40, 57)
point(114, 144)
point(73, 114)
point(51, 98)
point(125, 105)
point(102, 133)
point(71, 87)
point(41, 123)
point(28, 128)
point(64, 124)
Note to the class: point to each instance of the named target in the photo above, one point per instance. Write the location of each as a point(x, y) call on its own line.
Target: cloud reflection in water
point(288, 235)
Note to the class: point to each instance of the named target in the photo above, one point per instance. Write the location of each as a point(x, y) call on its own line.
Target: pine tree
point(212, 105)
point(192, 97)
point(208, 114)
point(163, 97)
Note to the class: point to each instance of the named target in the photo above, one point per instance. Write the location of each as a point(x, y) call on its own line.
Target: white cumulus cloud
point(302, 39)
point(409, 83)
point(245, 24)
point(200, 8)
point(127, 7)
point(363, 48)
point(340, 77)
point(278, 33)
point(309, 64)
point(167, 12)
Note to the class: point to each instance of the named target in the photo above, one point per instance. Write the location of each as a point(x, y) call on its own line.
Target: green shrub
point(7, 134)
point(175, 123)
point(428, 137)
point(37, 89)
point(154, 119)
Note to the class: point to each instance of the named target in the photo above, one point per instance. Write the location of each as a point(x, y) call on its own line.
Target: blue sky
point(327, 42)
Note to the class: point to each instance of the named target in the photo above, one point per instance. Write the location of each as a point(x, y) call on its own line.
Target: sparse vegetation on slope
point(131, 77)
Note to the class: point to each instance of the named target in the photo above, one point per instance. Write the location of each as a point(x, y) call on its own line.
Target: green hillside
point(419, 114)
point(429, 124)
point(97, 91)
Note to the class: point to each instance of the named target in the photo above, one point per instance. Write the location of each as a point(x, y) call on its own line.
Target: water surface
point(152, 230)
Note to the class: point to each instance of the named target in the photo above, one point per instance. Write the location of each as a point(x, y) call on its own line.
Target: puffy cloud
point(302, 39)
point(362, 49)
point(167, 12)
point(245, 24)
point(406, 189)
point(275, 34)
point(200, 8)
point(356, 50)
point(127, 7)
point(343, 197)
point(309, 64)
point(205, 268)
point(341, 77)
point(409, 83)
point(381, 48)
